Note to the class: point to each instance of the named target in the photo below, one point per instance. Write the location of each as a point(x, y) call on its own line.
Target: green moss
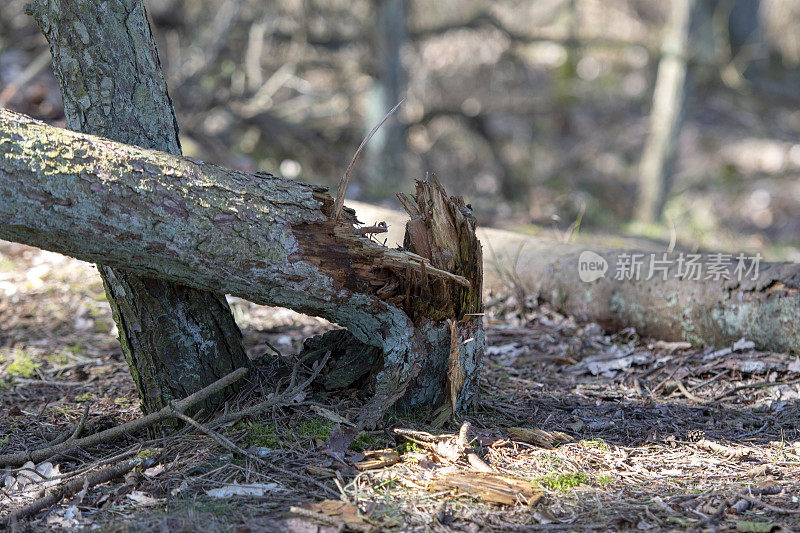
point(145, 454)
point(316, 428)
point(85, 397)
point(22, 366)
point(365, 441)
point(563, 482)
point(58, 358)
point(598, 444)
point(263, 435)
point(216, 506)
point(76, 348)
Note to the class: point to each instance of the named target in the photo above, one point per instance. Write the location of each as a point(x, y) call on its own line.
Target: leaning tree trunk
point(270, 240)
point(761, 303)
point(176, 339)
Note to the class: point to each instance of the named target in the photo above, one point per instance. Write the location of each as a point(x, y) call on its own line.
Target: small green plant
point(4, 441)
point(552, 460)
point(408, 447)
point(76, 348)
point(6, 265)
point(563, 482)
point(604, 479)
point(85, 397)
point(218, 507)
point(22, 366)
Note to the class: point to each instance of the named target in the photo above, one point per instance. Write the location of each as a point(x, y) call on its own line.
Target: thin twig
point(81, 423)
point(337, 522)
point(342, 189)
point(284, 397)
point(685, 392)
point(226, 443)
point(18, 458)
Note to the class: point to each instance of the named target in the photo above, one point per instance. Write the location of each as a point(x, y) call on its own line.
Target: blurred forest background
point(537, 111)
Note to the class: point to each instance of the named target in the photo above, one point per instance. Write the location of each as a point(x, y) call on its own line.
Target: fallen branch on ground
point(19, 458)
point(73, 487)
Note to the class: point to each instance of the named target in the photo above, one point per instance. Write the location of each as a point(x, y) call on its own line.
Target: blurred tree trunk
point(176, 339)
point(271, 240)
point(386, 151)
point(746, 43)
point(665, 115)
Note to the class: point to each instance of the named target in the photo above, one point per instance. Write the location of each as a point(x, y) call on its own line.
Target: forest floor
point(634, 434)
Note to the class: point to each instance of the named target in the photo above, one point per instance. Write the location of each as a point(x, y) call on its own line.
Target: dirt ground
point(634, 434)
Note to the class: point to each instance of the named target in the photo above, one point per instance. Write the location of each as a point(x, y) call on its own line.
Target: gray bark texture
point(270, 240)
point(713, 312)
point(176, 339)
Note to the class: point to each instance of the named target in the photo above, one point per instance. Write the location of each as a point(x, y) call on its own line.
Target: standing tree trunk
point(176, 339)
point(386, 152)
point(665, 116)
point(271, 240)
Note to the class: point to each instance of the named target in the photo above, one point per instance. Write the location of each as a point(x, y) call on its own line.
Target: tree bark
point(665, 117)
point(765, 310)
point(176, 339)
point(270, 240)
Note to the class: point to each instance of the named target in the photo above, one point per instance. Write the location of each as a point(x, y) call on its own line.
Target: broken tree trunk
point(765, 310)
point(270, 240)
point(176, 339)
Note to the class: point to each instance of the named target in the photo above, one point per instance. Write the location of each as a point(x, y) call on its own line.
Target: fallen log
point(270, 240)
point(761, 303)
